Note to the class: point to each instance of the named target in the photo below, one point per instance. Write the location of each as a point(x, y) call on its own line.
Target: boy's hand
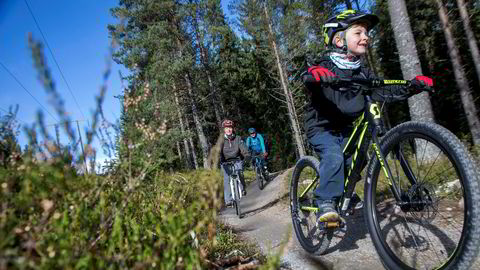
point(422, 83)
point(322, 74)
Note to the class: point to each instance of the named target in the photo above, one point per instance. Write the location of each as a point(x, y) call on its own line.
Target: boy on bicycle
point(256, 144)
point(232, 148)
point(333, 108)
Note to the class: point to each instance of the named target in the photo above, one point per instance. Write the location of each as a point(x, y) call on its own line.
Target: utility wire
point(54, 59)
point(11, 74)
point(61, 123)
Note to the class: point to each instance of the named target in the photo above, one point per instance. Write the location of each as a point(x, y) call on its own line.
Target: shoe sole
point(329, 217)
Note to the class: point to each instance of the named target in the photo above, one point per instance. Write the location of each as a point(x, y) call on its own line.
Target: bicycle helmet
point(344, 20)
point(251, 131)
point(227, 123)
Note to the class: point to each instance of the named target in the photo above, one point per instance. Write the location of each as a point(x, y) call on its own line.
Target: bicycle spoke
point(411, 233)
point(431, 166)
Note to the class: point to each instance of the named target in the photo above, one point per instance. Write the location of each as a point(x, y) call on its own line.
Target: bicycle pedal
point(332, 224)
point(341, 223)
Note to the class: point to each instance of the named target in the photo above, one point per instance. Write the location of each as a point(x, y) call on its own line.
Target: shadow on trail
point(395, 226)
point(345, 240)
point(318, 261)
point(264, 207)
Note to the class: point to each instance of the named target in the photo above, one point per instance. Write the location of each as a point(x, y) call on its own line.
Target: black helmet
point(345, 19)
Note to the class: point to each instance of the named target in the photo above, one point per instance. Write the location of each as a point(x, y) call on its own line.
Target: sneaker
point(229, 204)
point(356, 202)
point(244, 192)
point(327, 212)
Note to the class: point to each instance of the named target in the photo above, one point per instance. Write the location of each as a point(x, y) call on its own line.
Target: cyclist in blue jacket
point(256, 144)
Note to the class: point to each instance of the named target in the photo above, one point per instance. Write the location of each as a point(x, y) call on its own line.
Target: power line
point(61, 123)
point(54, 59)
point(11, 74)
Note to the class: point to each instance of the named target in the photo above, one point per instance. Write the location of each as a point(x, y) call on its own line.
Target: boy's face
point(357, 39)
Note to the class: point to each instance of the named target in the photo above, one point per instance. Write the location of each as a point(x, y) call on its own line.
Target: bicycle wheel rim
point(436, 231)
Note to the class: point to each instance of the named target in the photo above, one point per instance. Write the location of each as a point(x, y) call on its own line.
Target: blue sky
point(76, 32)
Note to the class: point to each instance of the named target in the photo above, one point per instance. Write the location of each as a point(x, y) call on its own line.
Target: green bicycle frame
point(370, 117)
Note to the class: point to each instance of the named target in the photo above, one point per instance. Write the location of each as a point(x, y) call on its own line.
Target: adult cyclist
point(256, 145)
point(232, 148)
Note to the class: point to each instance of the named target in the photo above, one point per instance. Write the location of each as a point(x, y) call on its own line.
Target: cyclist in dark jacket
point(333, 108)
point(232, 148)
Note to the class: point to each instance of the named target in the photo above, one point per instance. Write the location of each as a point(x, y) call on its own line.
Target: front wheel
point(259, 177)
point(236, 188)
point(304, 181)
point(434, 221)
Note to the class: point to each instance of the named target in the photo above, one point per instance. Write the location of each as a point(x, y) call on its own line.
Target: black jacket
point(336, 108)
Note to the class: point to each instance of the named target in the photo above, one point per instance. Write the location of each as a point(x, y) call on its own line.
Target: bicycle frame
point(258, 161)
point(370, 121)
point(234, 176)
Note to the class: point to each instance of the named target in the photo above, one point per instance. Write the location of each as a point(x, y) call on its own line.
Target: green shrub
point(54, 218)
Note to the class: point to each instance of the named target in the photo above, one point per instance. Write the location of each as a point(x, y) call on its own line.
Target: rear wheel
point(312, 239)
point(436, 223)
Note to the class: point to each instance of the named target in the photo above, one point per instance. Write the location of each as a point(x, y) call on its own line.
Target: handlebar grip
point(308, 78)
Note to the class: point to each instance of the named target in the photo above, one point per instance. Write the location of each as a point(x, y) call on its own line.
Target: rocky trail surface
point(267, 222)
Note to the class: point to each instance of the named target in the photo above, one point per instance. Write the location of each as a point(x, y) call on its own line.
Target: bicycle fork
point(386, 169)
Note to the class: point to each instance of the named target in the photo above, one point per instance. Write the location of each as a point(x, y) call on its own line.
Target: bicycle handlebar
point(307, 78)
point(231, 161)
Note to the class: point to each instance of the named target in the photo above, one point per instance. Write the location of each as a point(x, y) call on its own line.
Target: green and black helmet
point(344, 20)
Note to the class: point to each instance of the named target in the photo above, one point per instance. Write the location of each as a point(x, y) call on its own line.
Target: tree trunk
point(371, 63)
point(204, 59)
point(470, 36)
point(460, 77)
point(179, 151)
point(198, 124)
point(182, 128)
point(194, 152)
point(348, 4)
point(202, 139)
point(288, 95)
point(420, 106)
point(214, 98)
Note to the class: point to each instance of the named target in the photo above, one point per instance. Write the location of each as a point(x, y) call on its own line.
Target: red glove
point(422, 83)
point(322, 74)
point(265, 154)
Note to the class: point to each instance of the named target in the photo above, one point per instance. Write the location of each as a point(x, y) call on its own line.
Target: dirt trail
point(267, 222)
